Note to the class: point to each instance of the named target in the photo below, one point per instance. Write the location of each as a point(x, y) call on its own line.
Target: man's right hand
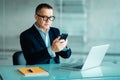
point(58, 44)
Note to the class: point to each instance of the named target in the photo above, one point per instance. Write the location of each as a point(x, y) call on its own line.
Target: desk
point(107, 71)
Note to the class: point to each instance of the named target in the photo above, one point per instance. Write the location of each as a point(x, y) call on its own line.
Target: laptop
point(93, 59)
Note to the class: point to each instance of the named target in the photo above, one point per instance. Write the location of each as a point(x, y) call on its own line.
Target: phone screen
point(63, 36)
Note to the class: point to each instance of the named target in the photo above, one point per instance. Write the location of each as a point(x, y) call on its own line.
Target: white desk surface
point(107, 71)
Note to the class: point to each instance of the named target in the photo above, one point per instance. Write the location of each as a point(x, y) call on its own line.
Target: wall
point(103, 23)
point(104, 19)
point(99, 24)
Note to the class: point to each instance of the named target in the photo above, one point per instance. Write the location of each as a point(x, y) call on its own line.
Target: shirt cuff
point(52, 54)
point(65, 49)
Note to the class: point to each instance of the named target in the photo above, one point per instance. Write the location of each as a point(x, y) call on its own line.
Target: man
point(41, 43)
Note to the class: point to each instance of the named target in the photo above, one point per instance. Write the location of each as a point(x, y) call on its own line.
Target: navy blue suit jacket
point(34, 48)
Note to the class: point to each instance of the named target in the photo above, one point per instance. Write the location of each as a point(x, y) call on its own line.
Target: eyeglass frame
point(45, 18)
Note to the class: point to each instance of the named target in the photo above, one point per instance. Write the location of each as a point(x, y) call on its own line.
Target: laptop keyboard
point(78, 67)
point(72, 67)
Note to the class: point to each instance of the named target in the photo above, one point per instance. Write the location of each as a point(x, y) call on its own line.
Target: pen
point(30, 70)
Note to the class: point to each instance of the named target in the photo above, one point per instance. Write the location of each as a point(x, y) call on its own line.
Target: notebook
point(93, 59)
point(33, 71)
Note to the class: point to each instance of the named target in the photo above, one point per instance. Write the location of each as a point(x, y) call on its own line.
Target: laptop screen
point(95, 56)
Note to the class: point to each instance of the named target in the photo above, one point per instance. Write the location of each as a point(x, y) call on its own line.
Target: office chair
point(18, 58)
point(1, 77)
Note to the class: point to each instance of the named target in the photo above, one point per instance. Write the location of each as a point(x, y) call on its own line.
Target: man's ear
point(36, 17)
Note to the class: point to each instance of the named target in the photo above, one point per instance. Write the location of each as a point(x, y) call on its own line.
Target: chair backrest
point(18, 58)
point(1, 77)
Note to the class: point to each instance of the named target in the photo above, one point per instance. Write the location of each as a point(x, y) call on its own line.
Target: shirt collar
point(39, 29)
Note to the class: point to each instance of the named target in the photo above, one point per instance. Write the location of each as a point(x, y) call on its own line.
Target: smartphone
point(64, 36)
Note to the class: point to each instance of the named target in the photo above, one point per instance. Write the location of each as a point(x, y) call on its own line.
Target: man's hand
point(58, 44)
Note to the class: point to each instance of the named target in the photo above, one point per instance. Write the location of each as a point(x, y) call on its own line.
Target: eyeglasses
point(45, 18)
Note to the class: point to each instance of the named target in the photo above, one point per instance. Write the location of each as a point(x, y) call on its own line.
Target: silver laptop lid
point(95, 56)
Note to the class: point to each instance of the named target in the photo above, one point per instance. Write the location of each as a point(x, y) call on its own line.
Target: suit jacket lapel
point(38, 36)
point(51, 36)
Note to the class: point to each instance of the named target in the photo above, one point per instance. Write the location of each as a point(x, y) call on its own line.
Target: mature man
point(41, 43)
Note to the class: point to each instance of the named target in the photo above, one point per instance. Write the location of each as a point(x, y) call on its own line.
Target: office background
point(88, 23)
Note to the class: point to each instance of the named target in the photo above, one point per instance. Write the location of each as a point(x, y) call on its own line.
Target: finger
point(56, 40)
point(62, 40)
point(59, 37)
point(66, 41)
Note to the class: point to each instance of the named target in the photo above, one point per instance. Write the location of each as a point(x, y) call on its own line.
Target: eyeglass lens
point(51, 18)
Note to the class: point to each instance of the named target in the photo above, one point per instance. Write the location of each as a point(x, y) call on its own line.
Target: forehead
point(46, 11)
